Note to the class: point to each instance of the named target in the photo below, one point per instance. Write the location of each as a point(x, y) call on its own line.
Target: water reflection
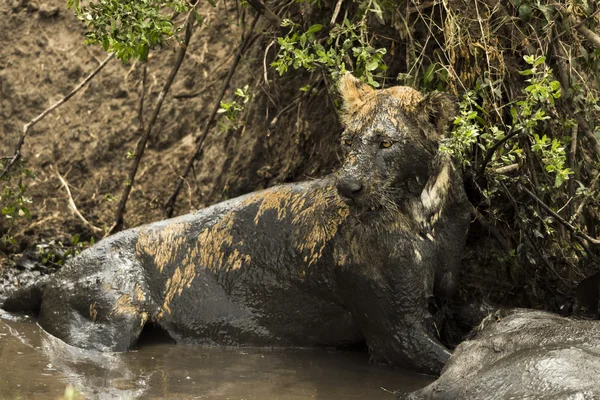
point(36, 365)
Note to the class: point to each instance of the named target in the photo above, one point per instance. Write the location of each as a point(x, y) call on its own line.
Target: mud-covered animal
point(522, 354)
point(354, 256)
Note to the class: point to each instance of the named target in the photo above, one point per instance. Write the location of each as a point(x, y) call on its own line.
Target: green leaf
point(539, 61)
point(429, 74)
point(314, 28)
point(372, 65)
point(212, 3)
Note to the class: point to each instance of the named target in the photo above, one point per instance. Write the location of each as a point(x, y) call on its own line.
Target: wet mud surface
point(36, 365)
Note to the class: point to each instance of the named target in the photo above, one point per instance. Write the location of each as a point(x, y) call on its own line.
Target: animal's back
point(255, 270)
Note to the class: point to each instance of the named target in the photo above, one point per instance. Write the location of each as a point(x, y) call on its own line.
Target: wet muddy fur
point(522, 354)
point(294, 265)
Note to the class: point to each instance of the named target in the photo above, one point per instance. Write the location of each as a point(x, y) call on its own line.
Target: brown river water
point(35, 365)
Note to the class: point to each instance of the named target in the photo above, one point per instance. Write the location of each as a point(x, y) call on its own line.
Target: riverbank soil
point(87, 140)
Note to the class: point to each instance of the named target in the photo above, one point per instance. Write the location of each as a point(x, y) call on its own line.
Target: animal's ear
point(354, 92)
point(440, 110)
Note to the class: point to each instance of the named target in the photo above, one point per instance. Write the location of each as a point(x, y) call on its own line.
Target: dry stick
point(293, 103)
point(496, 4)
point(572, 154)
point(73, 207)
point(40, 117)
point(560, 219)
point(170, 203)
point(491, 229)
point(336, 11)
point(141, 144)
point(118, 224)
point(585, 31)
point(506, 169)
point(563, 78)
point(585, 199)
point(260, 7)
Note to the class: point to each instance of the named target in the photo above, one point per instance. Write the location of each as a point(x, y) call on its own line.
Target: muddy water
point(35, 365)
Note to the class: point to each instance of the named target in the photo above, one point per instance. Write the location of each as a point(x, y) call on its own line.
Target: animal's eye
point(385, 144)
point(348, 142)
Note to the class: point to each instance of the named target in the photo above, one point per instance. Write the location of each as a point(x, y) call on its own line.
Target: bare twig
point(73, 207)
point(422, 7)
point(548, 265)
point(578, 24)
point(589, 134)
point(31, 124)
point(118, 224)
point(336, 11)
point(491, 229)
point(563, 79)
point(141, 144)
point(293, 103)
point(572, 155)
point(584, 201)
point(521, 39)
point(589, 34)
point(259, 6)
point(170, 203)
point(490, 152)
point(560, 219)
point(506, 169)
point(266, 76)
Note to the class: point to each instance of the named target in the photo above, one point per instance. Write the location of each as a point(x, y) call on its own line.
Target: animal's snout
point(349, 187)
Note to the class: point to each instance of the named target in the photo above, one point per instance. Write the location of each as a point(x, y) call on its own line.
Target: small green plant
point(231, 109)
point(14, 204)
point(55, 253)
point(129, 28)
point(345, 47)
point(472, 126)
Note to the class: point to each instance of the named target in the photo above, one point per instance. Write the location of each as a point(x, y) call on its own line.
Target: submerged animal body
point(524, 354)
point(354, 256)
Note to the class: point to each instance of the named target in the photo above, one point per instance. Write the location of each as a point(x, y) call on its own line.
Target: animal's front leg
point(411, 343)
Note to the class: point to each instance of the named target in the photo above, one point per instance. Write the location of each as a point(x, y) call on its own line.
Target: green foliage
point(14, 204)
point(231, 109)
point(56, 253)
point(473, 126)
point(129, 28)
point(344, 47)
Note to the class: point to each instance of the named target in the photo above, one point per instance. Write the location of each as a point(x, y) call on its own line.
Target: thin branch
point(563, 79)
point(118, 224)
point(548, 265)
point(293, 103)
point(491, 229)
point(73, 207)
point(560, 219)
point(33, 122)
point(266, 76)
point(141, 145)
point(507, 168)
point(572, 155)
point(336, 11)
point(261, 8)
point(589, 34)
point(170, 203)
point(490, 152)
point(585, 199)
